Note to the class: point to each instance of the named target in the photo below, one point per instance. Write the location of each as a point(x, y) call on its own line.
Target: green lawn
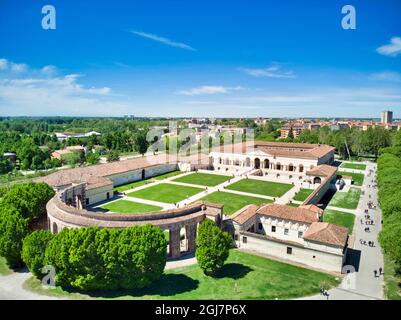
point(357, 178)
point(351, 165)
point(4, 269)
point(126, 206)
point(233, 202)
point(165, 192)
point(347, 200)
point(203, 179)
point(168, 175)
point(344, 219)
point(140, 183)
point(266, 188)
point(303, 194)
point(244, 276)
point(295, 205)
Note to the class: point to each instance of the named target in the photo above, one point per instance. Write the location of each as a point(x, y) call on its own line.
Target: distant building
point(387, 117)
point(62, 153)
point(287, 129)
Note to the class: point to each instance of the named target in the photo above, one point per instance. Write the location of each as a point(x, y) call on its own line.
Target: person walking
point(380, 270)
point(375, 273)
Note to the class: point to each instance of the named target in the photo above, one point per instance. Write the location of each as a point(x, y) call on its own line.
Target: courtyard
point(126, 206)
point(265, 188)
point(346, 200)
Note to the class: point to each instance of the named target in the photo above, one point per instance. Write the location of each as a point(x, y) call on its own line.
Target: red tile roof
point(327, 233)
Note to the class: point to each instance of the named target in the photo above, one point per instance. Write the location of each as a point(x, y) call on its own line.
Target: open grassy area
point(292, 204)
point(233, 202)
point(165, 192)
point(140, 183)
point(244, 276)
point(351, 165)
point(4, 269)
point(203, 179)
point(126, 206)
point(357, 178)
point(266, 188)
point(347, 200)
point(303, 194)
point(344, 219)
point(392, 280)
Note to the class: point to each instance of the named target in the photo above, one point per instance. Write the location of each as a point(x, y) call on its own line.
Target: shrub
point(93, 259)
point(212, 247)
point(33, 250)
point(13, 229)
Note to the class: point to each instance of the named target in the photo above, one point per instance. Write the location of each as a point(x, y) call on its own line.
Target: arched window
point(278, 166)
point(301, 168)
point(55, 228)
point(257, 163)
point(247, 162)
point(317, 180)
point(290, 167)
point(266, 163)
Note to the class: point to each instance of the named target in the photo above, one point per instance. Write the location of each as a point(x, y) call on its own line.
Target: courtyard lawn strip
point(346, 200)
point(357, 178)
point(339, 218)
point(166, 192)
point(141, 183)
point(233, 202)
point(126, 206)
point(303, 194)
point(266, 188)
point(203, 179)
point(355, 166)
point(244, 276)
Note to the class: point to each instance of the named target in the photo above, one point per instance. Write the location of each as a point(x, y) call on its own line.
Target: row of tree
point(21, 205)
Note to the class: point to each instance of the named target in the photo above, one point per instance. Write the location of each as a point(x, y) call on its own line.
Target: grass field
point(126, 206)
point(203, 179)
point(4, 269)
point(356, 166)
point(266, 188)
point(357, 178)
point(347, 200)
point(303, 194)
point(244, 276)
point(295, 205)
point(140, 183)
point(233, 202)
point(165, 192)
point(339, 218)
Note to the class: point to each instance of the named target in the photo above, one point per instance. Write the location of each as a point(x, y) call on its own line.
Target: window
point(289, 250)
point(300, 234)
point(260, 226)
point(236, 237)
point(87, 201)
point(286, 231)
point(273, 228)
point(244, 239)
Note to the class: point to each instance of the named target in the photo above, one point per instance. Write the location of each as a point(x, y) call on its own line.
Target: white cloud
point(208, 90)
point(40, 92)
point(393, 49)
point(273, 71)
point(386, 76)
point(163, 40)
point(3, 64)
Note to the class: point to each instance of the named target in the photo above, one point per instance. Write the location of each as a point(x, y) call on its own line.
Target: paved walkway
point(366, 259)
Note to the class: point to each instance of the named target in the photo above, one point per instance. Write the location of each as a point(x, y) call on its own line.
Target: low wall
point(321, 190)
point(308, 257)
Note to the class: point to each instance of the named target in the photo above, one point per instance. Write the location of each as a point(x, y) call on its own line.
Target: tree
point(33, 250)
point(92, 158)
point(93, 258)
point(13, 229)
point(113, 156)
point(141, 143)
point(5, 165)
point(212, 247)
point(73, 159)
point(29, 199)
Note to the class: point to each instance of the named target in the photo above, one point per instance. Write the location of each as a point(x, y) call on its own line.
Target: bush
point(13, 229)
point(33, 250)
point(29, 199)
point(94, 259)
point(213, 247)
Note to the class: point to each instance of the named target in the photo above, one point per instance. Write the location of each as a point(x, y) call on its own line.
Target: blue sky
point(200, 58)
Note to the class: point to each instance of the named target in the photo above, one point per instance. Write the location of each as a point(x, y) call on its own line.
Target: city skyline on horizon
point(226, 60)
